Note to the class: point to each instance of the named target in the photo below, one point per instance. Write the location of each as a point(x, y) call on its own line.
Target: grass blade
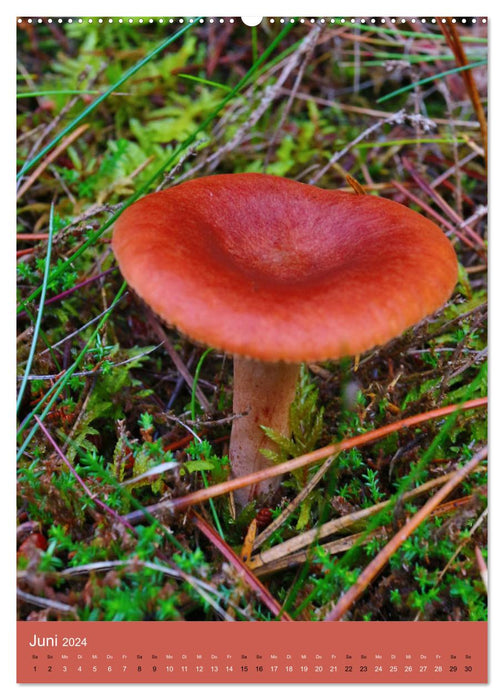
point(40, 311)
point(430, 79)
point(134, 69)
point(60, 384)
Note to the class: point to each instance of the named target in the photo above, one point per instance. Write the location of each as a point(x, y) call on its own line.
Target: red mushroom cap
point(270, 268)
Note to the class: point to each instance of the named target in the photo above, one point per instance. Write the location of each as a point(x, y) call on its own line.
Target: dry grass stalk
point(345, 522)
point(191, 499)
point(284, 515)
point(342, 544)
point(50, 158)
point(373, 569)
point(452, 37)
point(242, 570)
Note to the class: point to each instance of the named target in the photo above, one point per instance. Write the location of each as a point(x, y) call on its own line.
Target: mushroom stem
point(263, 393)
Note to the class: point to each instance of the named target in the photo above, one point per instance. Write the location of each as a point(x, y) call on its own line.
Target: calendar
point(167, 653)
point(252, 350)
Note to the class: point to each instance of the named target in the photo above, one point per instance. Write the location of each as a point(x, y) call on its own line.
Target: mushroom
point(278, 273)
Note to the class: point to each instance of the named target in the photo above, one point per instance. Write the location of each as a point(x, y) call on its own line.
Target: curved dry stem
point(169, 507)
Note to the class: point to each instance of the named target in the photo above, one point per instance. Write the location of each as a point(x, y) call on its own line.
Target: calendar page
point(252, 349)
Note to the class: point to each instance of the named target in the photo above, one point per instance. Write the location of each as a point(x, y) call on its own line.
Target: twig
point(342, 544)
point(169, 177)
point(451, 170)
point(439, 331)
point(480, 212)
point(278, 522)
point(45, 603)
point(441, 202)
point(472, 362)
point(365, 111)
point(432, 212)
point(202, 587)
point(32, 237)
point(259, 588)
point(397, 117)
point(202, 495)
point(450, 32)
point(97, 369)
point(373, 569)
point(52, 156)
point(305, 539)
point(308, 48)
point(269, 94)
point(181, 367)
point(68, 292)
point(79, 330)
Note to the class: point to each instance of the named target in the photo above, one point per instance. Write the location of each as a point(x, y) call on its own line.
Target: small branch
point(342, 544)
point(259, 588)
point(97, 369)
point(345, 522)
point(373, 569)
point(52, 156)
point(182, 369)
point(68, 292)
point(192, 499)
point(201, 587)
point(308, 48)
point(442, 204)
point(269, 94)
point(82, 328)
point(394, 118)
point(278, 522)
point(369, 112)
point(45, 603)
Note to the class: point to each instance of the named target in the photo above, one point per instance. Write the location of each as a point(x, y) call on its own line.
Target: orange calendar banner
point(299, 652)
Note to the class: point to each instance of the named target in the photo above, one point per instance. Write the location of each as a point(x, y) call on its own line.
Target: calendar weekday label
point(252, 652)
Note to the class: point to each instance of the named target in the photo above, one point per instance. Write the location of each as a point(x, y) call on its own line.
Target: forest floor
point(118, 412)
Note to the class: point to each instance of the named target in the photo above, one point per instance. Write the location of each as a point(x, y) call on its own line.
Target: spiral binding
point(270, 20)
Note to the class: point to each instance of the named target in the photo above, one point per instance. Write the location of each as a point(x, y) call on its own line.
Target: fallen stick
point(179, 504)
point(373, 569)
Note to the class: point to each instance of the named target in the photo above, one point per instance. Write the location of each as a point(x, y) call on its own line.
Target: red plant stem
point(465, 197)
point(191, 499)
point(382, 558)
point(98, 502)
point(67, 292)
point(179, 443)
point(32, 236)
point(89, 280)
point(426, 207)
point(25, 251)
point(440, 201)
point(243, 570)
point(435, 215)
